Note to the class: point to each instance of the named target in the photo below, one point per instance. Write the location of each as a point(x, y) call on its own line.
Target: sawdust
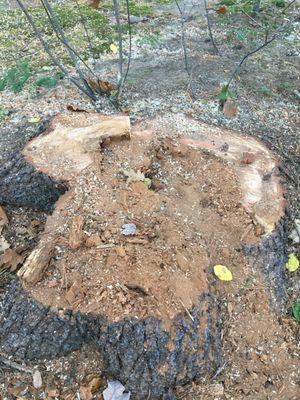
point(189, 219)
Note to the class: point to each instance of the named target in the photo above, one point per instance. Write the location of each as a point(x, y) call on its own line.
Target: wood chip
point(76, 235)
point(37, 262)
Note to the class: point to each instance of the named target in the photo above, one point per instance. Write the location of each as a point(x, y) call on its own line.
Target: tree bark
point(21, 184)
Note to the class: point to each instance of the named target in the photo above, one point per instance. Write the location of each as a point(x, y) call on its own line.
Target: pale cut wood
point(37, 262)
point(76, 234)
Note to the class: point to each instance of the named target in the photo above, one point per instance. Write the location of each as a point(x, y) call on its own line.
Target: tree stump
point(135, 240)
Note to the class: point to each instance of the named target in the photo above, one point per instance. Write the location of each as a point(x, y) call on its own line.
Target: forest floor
point(266, 94)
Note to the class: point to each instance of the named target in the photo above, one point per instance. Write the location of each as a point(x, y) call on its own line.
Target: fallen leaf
point(229, 109)
point(115, 391)
point(221, 10)
point(113, 48)
point(102, 87)
point(223, 273)
point(11, 259)
point(34, 120)
point(86, 392)
point(292, 263)
point(72, 108)
point(37, 379)
point(95, 4)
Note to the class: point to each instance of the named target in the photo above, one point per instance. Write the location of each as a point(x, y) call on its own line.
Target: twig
point(219, 370)
point(187, 311)
point(61, 36)
point(88, 38)
point(209, 28)
point(129, 55)
point(48, 51)
point(15, 365)
point(120, 43)
point(236, 70)
point(183, 39)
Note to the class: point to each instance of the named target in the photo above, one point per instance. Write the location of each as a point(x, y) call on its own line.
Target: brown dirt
point(190, 219)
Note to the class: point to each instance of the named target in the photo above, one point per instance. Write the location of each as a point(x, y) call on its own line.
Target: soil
point(261, 358)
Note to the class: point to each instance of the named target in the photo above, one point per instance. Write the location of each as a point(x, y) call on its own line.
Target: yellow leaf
point(113, 48)
point(223, 273)
point(292, 263)
point(34, 119)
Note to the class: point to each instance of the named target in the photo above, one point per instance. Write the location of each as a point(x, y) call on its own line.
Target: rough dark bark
point(20, 184)
point(139, 353)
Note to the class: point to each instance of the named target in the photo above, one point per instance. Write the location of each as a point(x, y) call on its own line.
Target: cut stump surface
point(135, 240)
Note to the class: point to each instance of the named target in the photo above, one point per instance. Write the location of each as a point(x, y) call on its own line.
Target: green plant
point(15, 78)
point(296, 310)
point(47, 82)
point(225, 94)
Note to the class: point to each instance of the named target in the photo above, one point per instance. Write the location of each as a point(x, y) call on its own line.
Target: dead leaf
point(115, 391)
point(102, 87)
point(11, 259)
point(229, 109)
point(72, 108)
point(95, 4)
point(221, 10)
point(37, 379)
point(133, 176)
point(86, 392)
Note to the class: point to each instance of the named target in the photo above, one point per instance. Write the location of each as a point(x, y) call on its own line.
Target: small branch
point(183, 39)
point(236, 70)
point(129, 55)
point(61, 36)
point(209, 29)
point(88, 38)
point(49, 52)
point(120, 44)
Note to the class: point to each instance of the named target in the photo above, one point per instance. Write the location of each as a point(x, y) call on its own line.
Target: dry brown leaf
point(102, 87)
point(95, 4)
point(86, 392)
point(230, 109)
point(222, 10)
point(11, 259)
point(72, 108)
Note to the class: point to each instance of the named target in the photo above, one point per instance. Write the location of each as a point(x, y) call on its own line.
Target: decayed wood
point(76, 234)
point(37, 262)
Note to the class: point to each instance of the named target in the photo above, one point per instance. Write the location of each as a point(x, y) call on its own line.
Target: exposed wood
point(76, 234)
point(37, 262)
